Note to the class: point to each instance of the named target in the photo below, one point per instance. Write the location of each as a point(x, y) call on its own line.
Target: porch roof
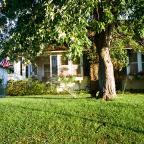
point(52, 49)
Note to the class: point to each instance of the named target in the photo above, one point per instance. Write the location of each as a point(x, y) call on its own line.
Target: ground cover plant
point(64, 119)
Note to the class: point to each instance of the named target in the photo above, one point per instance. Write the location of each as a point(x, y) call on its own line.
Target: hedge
point(29, 87)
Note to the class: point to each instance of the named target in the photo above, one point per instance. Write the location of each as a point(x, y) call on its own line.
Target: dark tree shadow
point(52, 97)
point(100, 121)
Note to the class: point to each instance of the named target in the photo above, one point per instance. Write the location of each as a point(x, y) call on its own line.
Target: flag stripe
point(5, 63)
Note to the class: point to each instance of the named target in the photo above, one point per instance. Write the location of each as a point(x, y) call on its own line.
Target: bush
point(16, 88)
point(29, 87)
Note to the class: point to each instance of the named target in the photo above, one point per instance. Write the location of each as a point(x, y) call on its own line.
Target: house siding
point(3, 76)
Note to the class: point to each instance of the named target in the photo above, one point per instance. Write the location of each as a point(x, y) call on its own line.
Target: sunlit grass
point(64, 119)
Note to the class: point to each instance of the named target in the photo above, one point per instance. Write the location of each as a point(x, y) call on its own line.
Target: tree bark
point(107, 90)
point(106, 75)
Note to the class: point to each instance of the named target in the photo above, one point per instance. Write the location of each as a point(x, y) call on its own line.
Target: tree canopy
point(43, 22)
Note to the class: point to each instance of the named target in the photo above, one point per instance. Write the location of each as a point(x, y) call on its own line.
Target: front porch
point(56, 66)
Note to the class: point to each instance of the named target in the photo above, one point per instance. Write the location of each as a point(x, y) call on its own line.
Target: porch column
point(29, 70)
point(139, 59)
point(50, 65)
point(128, 67)
point(70, 67)
point(58, 64)
point(81, 65)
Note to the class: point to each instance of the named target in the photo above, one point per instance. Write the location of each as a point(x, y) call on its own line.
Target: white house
point(15, 71)
point(21, 71)
point(53, 63)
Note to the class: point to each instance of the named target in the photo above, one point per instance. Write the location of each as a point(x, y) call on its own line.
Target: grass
point(67, 120)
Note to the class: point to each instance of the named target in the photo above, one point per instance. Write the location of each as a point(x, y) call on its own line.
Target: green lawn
point(63, 119)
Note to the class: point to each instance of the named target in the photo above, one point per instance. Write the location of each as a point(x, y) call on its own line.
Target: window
point(142, 62)
point(34, 70)
point(133, 57)
point(133, 62)
point(54, 65)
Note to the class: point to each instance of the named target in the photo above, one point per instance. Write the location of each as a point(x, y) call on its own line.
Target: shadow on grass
point(52, 97)
point(100, 121)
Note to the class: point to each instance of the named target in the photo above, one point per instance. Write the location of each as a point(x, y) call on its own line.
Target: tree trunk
point(107, 88)
point(106, 75)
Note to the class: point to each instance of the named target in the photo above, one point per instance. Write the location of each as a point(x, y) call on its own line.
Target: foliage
point(29, 87)
point(92, 54)
point(123, 38)
point(119, 54)
point(67, 79)
point(40, 23)
point(46, 22)
point(18, 88)
point(61, 119)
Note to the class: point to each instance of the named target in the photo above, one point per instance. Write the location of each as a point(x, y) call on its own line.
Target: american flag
point(5, 63)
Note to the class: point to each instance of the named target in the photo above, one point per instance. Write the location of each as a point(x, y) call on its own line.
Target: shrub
point(67, 78)
point(17, 87)
point(29, 87)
